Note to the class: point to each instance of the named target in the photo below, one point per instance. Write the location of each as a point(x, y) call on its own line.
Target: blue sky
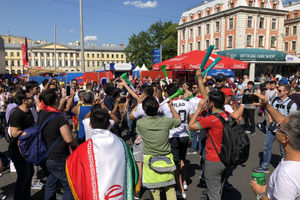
point(111, 21)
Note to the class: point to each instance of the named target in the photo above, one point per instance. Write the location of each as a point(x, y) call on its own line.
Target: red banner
point(25, 54)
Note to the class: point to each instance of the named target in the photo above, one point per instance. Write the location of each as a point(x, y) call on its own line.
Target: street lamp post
point(81, 41)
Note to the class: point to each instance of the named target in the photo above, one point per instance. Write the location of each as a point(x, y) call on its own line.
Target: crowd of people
point(92, 119)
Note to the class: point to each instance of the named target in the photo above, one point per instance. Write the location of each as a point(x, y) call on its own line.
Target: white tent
point(144, 68)
point(137, 68)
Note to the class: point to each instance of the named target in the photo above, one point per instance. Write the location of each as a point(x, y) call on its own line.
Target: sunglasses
point(194, 88)
point(280, 91)
point(277, 128)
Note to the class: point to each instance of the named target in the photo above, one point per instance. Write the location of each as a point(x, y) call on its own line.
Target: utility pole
point(54, 46)
point(81, 41)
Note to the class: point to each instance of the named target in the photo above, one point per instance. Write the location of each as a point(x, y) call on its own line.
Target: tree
point(139, 48)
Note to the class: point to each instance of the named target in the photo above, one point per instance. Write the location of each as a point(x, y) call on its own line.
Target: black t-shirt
point(20, 119)
point(51, 132)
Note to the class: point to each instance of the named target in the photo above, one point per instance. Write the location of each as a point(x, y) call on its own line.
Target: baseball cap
point(220, 77)
point(227, 92)
point(283, 81)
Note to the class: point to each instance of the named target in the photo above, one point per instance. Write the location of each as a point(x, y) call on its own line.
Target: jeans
point(195, 141)
point(24, 172)
point(269, 140)
point(249, 119)
point(57, 172)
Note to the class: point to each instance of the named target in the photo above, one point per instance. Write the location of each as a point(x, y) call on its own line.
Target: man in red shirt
point(215, 170)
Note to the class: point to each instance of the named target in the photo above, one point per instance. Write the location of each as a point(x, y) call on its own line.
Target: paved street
point(240, 179)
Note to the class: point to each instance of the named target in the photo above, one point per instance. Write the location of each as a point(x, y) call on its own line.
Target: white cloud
point(71, 30)
point(90, 38)
point(140, 4)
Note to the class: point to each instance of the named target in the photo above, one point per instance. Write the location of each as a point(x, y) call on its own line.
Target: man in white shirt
point(285, 180)
point(179, 138)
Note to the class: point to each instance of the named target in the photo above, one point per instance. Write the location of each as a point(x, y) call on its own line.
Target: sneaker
point(137, 195)
point(191, 152)
point(37, 186)
point(183, 195)
point(252, 133)
point(204, 198)
point(262, 170)
point(2, 196)
point(202, 183)
point(247, 132)
point(185, 187)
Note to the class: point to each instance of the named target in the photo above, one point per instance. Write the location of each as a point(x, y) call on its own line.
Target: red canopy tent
point(193, 60)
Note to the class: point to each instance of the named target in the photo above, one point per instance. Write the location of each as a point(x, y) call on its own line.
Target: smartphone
point(68, 92)
point(249, 99)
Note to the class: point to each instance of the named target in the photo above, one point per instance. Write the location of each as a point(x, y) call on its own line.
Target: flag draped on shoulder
point(25, 54)
point(102, 168)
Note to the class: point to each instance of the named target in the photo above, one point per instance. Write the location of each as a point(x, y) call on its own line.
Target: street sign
point(155, 56)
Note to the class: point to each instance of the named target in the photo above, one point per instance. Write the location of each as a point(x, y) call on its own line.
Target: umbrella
point(226, 72)
point(193, 60)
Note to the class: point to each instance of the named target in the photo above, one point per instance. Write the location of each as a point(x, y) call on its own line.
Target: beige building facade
point(2, 56)
point(67, 58)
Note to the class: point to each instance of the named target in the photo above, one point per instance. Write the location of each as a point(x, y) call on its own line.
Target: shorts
point(138, 152)
point(179, 148)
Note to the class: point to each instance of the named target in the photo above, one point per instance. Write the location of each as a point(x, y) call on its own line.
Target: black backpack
point(291, 102)
point(235, 143)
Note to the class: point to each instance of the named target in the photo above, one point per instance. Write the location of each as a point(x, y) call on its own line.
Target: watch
point(259, 196)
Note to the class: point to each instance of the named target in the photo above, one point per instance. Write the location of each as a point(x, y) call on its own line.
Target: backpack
point(31, 143)
point(235, 143)
point(6, 134)
point(291, 102)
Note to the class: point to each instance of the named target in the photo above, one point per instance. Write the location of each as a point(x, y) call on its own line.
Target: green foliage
point(139, 48)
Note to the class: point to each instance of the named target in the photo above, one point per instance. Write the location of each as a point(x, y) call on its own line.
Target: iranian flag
point(102, 168)
point(25, 54)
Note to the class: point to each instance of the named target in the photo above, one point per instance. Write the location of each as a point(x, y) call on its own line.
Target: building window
point(18, 63)
point(262, 4)
point(191, 33)
point(249, 38)
point(60, 63)
point(121, 55)
point(112, 55)
point(199, 30)
point(230, 25)
point(117, 56)
point(207, 28)
point(208, 12)
point(93, 55)
point(295, 15)
point(72, 63)
point(217, 43)
point(273, 42)
point(199, 16)
point(36, 63)
point(286, 46)
point(250, 3)
point(274, 6)
point(98, 63)
point(11, 54)
point(183, 34)
point(217, 26)
point(87, 55)
point(232, 5)
point(13, 71)
point(5, 53)
point(260, 41)
point(182, 49)
point(103, 55)
point(218, 9)
point(287, 17)
point(198, 45)
point(249, 22)
point(107, 55)
point(294, 30)
point(191, 46)
point(18, 54)
point(261, 23)
point(98, 55)
point(287, 31)
point(6, 63)
point(191, 18)
point(207, 44)
point(294, 46)
point(19, 71)
point(230, 41)
point(274, 24)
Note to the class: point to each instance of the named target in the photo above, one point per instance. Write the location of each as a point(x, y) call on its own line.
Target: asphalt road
point(240, 179)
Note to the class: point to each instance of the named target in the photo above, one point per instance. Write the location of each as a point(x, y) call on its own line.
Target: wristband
point(260, 195)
